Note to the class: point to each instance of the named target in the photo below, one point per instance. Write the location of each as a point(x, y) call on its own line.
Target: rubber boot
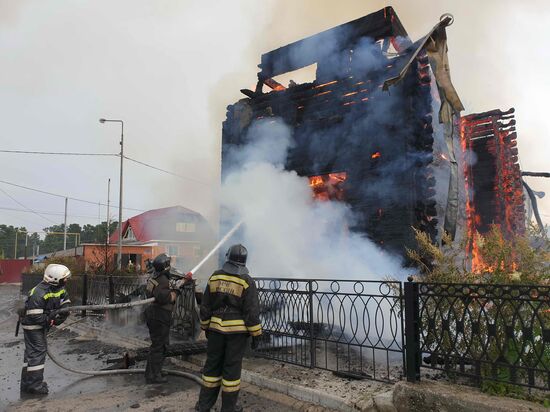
point(23, 385)
point(41, 389)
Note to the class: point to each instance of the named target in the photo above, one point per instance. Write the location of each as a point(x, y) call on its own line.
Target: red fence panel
point(11, 269)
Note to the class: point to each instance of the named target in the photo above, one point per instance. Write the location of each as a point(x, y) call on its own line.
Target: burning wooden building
point(493, 182)
point(378, 127)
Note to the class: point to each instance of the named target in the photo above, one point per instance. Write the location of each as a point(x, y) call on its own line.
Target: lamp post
point(119, 257)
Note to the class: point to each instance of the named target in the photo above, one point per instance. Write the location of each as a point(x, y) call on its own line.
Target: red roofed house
point(177, 231)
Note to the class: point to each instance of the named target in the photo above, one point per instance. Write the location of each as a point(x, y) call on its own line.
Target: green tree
point(8, 235)
point(7, 241)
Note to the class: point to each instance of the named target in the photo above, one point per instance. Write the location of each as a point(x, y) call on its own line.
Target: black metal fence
point(185, 319)
point(351, 327)
point(497, 333)
point(99, 290)
point(377, 329)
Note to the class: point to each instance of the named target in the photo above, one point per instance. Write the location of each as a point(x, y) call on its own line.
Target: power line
point(47, 213)
point(104, 154)
point(57, 153)
point(165, 171)
point(28, 208)
point(63, 196)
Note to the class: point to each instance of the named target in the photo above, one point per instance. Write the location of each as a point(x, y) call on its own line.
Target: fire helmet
point(237, 255)
point(56, 274)
point(161, 263)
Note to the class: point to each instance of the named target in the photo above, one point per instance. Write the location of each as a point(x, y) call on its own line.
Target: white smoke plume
point(287, 232)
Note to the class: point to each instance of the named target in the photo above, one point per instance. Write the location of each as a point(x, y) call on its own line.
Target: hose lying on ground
point(55, 360)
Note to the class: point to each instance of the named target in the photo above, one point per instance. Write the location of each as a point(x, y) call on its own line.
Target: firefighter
point(230, 313)
point(39, 315)
point(158, 316)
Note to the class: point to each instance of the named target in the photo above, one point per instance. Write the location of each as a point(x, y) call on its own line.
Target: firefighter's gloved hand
point(56, 319)
point(255, 342)
point(173, 285)
point(59, 319)
point(50, 320)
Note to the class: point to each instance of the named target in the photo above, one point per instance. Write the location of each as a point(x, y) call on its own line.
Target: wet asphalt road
point(73, 392)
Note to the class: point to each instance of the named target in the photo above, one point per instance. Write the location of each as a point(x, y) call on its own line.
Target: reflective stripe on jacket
point(230, 304)
point(42, 300)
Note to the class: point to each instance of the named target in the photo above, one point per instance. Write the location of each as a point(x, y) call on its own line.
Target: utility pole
point(65, 227)
point(15, 253)
point(119, 255)
point(26, 243)
point(108, 211)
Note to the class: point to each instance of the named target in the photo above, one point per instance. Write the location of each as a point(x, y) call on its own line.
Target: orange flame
point(507, 189)
point(473, 237)
point(375, 155)
point(329, 186)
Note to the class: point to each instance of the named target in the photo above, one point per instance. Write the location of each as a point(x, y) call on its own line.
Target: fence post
point(195, 311)
point(84, 291)
point(412, 331)
point(111, 290)
point(312, 344)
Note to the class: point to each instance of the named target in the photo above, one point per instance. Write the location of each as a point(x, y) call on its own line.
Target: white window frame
point(129, 234)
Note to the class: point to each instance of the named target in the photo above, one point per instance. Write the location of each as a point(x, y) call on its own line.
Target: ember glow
point(329, 186)
point(325, 84)
point(375, 155)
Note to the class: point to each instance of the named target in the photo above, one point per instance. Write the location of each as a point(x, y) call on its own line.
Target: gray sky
point(169, 69)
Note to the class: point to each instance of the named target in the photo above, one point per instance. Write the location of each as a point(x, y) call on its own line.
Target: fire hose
point(55, 360)
point(187, 375)
point(151, 300)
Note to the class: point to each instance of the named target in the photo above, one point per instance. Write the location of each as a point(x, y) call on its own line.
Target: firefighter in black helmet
point(158, 316)
point(230, 313)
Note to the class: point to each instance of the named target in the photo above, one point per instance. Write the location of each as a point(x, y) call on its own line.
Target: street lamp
point(119, 257)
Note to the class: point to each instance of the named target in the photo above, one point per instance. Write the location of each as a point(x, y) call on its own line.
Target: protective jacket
point(158, 287)
point(43, 300)
point(41, 303)
point(230, 304)
point(158, 316)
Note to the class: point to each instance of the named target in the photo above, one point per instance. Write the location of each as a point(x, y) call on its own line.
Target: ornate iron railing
point(114, 289)
point(486, 333)
point(353, 328)
point(185, 319)
point(497, 333)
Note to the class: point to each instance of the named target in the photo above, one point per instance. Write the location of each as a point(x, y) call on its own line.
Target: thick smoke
point(287, 232)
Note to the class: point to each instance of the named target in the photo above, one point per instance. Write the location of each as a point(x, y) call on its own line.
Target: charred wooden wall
point(344, 117)
point(495, 191)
